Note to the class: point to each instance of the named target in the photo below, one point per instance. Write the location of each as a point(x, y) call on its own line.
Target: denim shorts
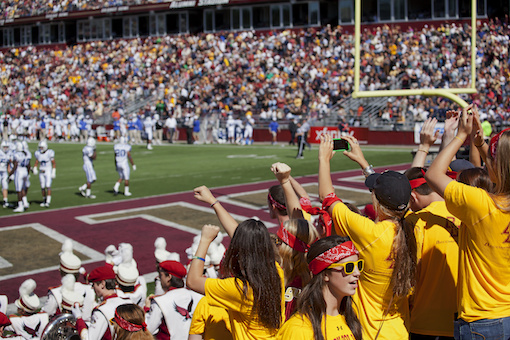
point(486, 329)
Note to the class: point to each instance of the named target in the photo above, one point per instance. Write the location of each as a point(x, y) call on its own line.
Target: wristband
point(368, 171)
point(459, 139)
point(282, 183)
point(214, 203)
point(426, 152)
point(198, 258)
point(479, 146)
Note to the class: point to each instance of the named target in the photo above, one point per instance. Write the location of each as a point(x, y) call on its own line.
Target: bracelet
point(426, 152)
point(214, 203)
point(198, 258)
point(479, 146)
point(287, 181)
point(459, 139)
point(369, 170)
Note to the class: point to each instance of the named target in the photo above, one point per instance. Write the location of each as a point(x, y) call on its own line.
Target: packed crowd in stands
point(416, 263)
point(273, 75)
point(25, 8)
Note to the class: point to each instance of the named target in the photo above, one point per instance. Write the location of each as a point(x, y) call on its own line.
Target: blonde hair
point(294, 262)
point(134, 314)
point(501, 167)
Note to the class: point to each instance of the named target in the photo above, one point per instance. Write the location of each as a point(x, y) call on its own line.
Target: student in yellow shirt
point(434, 300)
point(388, 246)
point(324, 310)
point(483, 289)
point(209, 323)
point(252, 291)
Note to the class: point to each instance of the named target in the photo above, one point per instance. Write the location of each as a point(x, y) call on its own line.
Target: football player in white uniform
point(89, 155)
point(45, 158)
point(20, 169)
point(122, 152)
point(5, 160)
point(148, 124)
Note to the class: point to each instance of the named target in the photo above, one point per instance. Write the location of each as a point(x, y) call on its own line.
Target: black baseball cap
point(391, 188)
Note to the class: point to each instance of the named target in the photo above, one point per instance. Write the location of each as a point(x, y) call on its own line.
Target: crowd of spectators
point(273, 75)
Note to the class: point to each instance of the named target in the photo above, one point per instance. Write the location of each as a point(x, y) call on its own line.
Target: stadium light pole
point(450, 93)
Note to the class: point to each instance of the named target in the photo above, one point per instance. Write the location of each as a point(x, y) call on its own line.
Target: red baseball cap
point(101, 273)
point(4, 320)
point(173, 268)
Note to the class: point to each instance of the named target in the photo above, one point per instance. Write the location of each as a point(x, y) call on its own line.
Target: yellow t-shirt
point(483, 289)
point(374, 242)
point(434, 300)
point(223, 293)
point(210, 321)
point(299, 327)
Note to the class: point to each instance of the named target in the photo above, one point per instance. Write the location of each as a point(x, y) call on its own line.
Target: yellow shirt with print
point(299, 327)
point(374, 242)
point(483, 289)
point(224, 293)
point(434, 301)
point(211, 322)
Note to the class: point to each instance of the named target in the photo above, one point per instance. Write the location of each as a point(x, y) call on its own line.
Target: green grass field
point(181, 167)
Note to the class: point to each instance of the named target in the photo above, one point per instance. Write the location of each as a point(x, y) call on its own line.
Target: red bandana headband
point(291, 240)
point(278, 205)
point(415, 183)
point(128, 326)
point(493, 145)
point(331, 256)
point(324, 218)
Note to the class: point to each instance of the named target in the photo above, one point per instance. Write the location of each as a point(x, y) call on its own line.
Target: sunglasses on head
point(349, 266)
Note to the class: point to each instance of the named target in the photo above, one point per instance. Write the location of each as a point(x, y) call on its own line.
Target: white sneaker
point(127, 194)
point(27, 205)
point(43, 204)
point(46, 205)
point(91, 196)
point(149, 147)
point(20, 208)
point(5, 205)
point(83, 193)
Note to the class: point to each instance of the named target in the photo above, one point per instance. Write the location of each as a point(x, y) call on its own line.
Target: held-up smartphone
point(341, 144)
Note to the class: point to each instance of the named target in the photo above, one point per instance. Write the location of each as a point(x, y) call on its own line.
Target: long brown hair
point(403, 251)
point(501, 167)
point(250, 258)
point(311, 302)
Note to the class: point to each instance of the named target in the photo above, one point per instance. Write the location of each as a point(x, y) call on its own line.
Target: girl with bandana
point(129, 323)
point(325, 308)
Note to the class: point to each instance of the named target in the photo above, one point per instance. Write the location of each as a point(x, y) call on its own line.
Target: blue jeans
point(487, 329)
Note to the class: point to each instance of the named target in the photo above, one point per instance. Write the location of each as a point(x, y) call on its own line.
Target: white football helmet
point(5, 145)
point(25, 145)
point(122, 140)
point(91, 142)
point(19, 146)
point(43, 145)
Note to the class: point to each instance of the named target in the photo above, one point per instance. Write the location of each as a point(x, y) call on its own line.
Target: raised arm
point(427, 138)
point(203, 194)
point(195, 280)
point(325, 155)
point(436, 175)
point(282, 174)
point(479, 148)
point(450, 125)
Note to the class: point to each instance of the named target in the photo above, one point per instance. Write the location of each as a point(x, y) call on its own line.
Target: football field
point(162, 203)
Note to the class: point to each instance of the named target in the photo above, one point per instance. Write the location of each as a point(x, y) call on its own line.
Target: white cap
point(69, 295)
point(28, 301)
point(127, 275)
point(69, 263)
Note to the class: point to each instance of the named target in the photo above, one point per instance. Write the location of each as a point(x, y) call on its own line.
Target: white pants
point(45, 178)
point(124, 170)
point(90, 173)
